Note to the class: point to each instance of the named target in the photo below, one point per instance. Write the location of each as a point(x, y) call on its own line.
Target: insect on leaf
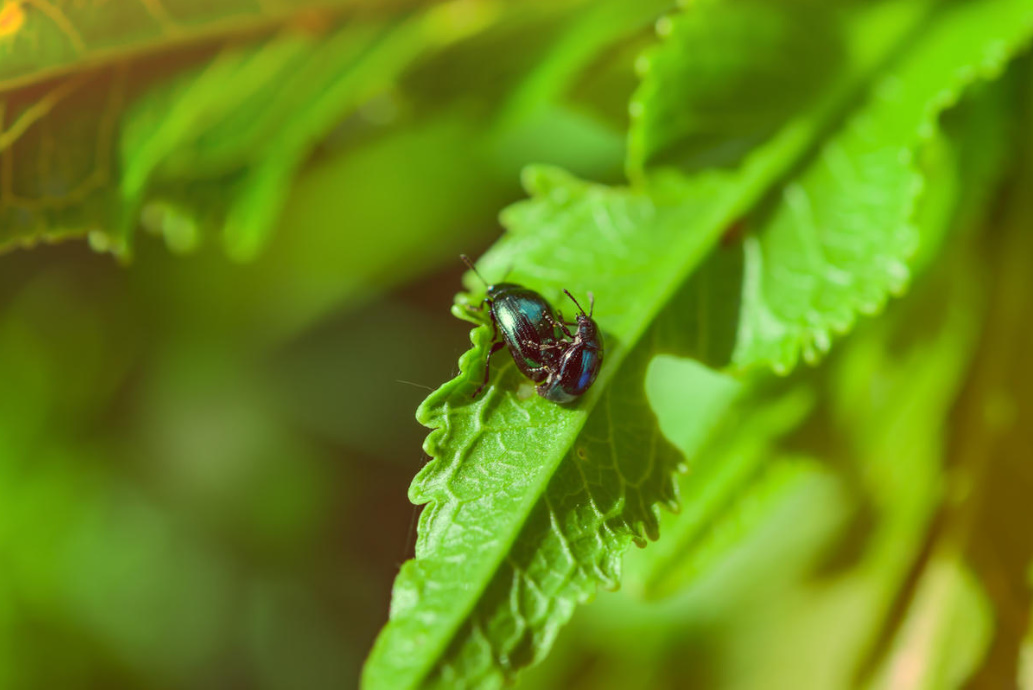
point(529, 505)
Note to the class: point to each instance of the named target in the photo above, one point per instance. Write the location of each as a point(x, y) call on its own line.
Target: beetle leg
point(564, 323)
point(560, 324)
point(544, 346)
point(487, 367)
point(536, 370)
point(479, 307)
point(494, 325)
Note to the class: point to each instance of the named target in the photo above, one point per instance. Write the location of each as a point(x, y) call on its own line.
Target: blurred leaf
point(144, 619)
point(713, 395)
point(43, 39)
point(342, 240)
point(891, 392)
point(838, 243)
point(945, 634)
point(151, 587)
point(80, 545)
point(600, 26)
point(732, 489)
point(691, 110)
point(260, 109)
point(987, 481)
point(963, 166)
point(85, 153)
point(543, 100)
point(560, 135)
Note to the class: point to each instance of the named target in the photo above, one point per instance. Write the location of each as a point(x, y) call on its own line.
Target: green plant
point(530, 506)
point(793, 167)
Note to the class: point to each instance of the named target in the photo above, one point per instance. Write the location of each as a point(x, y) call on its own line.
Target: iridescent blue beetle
point(528, 328)
point(563, 364)
point(581, 359)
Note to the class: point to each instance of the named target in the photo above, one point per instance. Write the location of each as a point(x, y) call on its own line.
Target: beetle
point(580, 359)
point(528, 327)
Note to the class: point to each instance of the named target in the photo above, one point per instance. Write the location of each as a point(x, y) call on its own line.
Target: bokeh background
point(204, 462)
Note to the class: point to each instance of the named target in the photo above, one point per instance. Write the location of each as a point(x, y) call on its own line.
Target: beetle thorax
point(586, 328)
point(499, 289)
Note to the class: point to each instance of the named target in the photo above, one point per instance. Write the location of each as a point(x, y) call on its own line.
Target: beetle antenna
point(575, 301)
point(469, 264)
point(591, 304)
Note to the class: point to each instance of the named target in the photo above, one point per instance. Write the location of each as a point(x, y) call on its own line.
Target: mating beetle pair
point(563, 364)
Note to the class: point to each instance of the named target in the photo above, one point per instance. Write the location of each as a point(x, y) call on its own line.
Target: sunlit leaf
point(838, 242)
point(482, 597)
point(561, 520)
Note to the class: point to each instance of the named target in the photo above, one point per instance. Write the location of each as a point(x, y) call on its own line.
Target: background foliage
point(205, 444)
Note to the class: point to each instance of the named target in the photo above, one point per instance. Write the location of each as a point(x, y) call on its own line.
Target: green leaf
point(839, 241)
point(571, 108)
point(497, 460)
point(947, 626)
point(216, 136)
point(729, 494)
point(253, 115)
point(58, 138)
point(46, 38)
point(505, 467)
point(462, 609)
point(728, 76)
point(530, 502)
point(600, 499)
point(731, 490)
point(767, 587)
point(601, 25)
